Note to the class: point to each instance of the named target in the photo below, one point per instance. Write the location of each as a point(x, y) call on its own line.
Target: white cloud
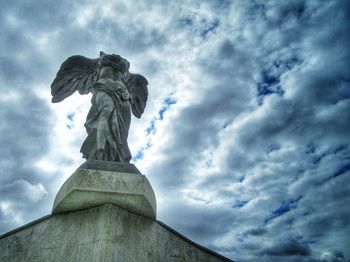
point(23, 190)
point(255, 151)
point(10, 213)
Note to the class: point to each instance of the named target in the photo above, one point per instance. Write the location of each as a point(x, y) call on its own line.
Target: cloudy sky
point(245, 137)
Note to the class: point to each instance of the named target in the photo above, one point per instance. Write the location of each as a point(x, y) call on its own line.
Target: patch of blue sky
point(299, 237)
point(227, 123)
point(264, 89)
point(310, 148)
point(139, 155)
point(308, 242)
point(269, 85)
point(270, 77)
point(340, 148)
point(70, 117)
point(211, 27)
point(151, 129)
point(342, 153)
point(304, 241)
point(241, 179)
point(240, 203)
point(342, 169)
point(287, 63)
point(161, 113)
point(273, 147)
point(168, 102)
point(285, 207)
point(317, 158)
point(141, 152)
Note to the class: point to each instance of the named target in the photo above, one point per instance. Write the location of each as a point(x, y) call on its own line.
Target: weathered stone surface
point(104, 233)
point(104, 212)
point(122, 186)
point(110, 166)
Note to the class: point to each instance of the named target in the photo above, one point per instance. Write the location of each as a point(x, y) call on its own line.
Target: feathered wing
point(137, 86)
point(76, 73)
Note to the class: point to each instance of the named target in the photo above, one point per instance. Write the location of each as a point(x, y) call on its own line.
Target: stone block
point(97, 182)
point(104, 233)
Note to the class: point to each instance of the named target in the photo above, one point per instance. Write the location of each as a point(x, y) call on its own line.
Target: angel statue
point(115, 94)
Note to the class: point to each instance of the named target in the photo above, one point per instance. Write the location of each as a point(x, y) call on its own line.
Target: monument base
point(104, 212)
point(103, 233)
point(100, 182)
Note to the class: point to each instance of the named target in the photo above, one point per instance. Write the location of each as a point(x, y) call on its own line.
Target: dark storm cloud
point(198, 125)
point(288, 248)
point(332, 256)
point(302, 104)
point(39, 15)
point(195, 132)
point(24, 132)
point(256, 231)
point(21, 60)
point(201, 228)
point(25, 125)
point(26, 120)
point(16, 72)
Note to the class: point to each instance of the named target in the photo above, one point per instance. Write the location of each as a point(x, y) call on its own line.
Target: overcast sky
point(245, 137)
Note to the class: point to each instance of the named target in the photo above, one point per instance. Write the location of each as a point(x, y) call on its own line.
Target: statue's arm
point(76, 73)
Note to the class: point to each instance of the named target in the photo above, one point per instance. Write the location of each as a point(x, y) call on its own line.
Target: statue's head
point(115, 61)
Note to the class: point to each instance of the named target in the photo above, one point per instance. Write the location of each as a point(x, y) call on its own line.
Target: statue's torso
point(112, 79)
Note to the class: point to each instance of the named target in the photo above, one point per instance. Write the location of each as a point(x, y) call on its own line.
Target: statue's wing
point(76, 73)
point(137, 86)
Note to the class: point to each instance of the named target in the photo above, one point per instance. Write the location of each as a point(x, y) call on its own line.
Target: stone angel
point(116, 93)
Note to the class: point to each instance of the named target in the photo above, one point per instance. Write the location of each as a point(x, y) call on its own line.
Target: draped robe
point(108, 121)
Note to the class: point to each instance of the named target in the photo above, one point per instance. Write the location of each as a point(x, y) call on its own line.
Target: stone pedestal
point(99, 182)
point(103, 212)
